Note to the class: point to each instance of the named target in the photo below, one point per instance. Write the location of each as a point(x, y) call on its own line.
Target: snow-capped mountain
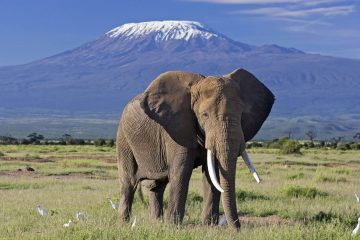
point(163, 30)
point(103, 74)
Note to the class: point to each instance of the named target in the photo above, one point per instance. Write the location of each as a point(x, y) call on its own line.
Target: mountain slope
point(102, 75)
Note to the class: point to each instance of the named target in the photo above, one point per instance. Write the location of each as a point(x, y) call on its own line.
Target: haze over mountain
point(100, 76)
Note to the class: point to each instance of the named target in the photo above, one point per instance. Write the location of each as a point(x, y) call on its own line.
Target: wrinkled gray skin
point(164, 133)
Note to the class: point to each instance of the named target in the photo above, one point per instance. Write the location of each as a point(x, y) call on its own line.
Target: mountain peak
point(163, 30)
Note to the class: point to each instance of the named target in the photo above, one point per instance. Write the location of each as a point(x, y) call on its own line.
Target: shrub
point(295, 176)
point(324, 216)
point(2, 154)
point(243, 195)
point(99, 142)
point(323, 178)
point(355, 146)
point(290, 147)
point(194, 197)
point(343, 146)
point(110, 142)
point(307, 192)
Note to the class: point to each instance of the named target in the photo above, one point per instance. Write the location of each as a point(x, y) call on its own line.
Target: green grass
point(308, 196)
point(307, 192)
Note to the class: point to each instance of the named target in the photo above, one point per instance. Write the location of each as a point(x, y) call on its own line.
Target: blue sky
point(31, 30)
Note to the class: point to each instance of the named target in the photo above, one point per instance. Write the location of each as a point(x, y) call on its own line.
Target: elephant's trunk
point(227, 169)
point(227, 147)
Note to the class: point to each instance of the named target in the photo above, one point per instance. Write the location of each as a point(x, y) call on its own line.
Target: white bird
point(80, 216)
point(42, 211)
point(133, 224)
point(222, 220)
point(68, 224)
point(113, 204)
point(357, 197)
point(354, 232)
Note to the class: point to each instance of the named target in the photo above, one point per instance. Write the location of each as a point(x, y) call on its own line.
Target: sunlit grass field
point(307, 196)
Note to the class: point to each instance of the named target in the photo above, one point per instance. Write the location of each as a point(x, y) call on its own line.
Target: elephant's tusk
point(211, 169)
point(248, 162)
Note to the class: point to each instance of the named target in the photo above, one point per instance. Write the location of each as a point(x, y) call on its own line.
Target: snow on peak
point(163, 30)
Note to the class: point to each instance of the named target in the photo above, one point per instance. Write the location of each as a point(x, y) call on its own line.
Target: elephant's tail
point(140, 194)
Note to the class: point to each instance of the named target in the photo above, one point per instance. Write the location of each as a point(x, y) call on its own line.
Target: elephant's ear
point(258, 101)
point(168, 102)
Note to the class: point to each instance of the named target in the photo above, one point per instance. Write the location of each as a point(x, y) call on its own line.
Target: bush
point(295, 176)
point(290, 147)
point(99, 142)
point(307, 192)
point(194, 198)
point(322, 178)
point(243, 195)
point(73, 141)
point(343, 146)
point(110, 143)
point(355, 146)
point(2, 154)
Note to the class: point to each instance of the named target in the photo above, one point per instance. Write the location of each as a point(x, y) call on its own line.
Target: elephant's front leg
point(179, 185)
point(210, 214)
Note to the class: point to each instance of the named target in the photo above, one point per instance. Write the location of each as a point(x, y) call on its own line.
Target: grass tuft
point(295, 176)
point(244, 195)
point(322, 178)
point(298, 191)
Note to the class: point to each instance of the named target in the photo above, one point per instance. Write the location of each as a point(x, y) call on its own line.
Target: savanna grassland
point(307, 196)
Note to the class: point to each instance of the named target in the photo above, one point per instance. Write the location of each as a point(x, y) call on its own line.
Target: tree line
point(66, 139)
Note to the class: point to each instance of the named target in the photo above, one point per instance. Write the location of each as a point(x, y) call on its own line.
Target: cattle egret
point(113, 205)
point(133, 224)
point(42, 211)
point(222, 220)
point(68, 224)
point(354, 232)
point(80, 216)
point(357, 197)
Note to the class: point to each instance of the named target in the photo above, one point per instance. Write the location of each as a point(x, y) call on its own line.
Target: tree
point(110, 142)
point(311, 134)
point(68, 139)
point(8, 140)
point(99, 142)
point(357, 136)
point(335, 141)
point(35, 138)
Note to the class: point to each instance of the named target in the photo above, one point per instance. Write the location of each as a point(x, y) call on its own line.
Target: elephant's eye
point(204, 115)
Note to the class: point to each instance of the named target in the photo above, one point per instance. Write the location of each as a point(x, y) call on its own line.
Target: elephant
point(182, 121)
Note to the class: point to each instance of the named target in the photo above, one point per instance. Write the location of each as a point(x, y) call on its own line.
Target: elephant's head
point(227, 110)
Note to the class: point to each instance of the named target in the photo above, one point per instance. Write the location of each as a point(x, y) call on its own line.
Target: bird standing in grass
point(42, 211)
point(222, 220)
point(68, 224)
point(113, 205)
point(354, 232)
point(357, 197)
point(80, 216)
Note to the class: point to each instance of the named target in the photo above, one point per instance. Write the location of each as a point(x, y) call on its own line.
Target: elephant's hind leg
point(156, 206)
point(127, 168)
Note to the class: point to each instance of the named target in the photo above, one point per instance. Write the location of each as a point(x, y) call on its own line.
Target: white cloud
point(284, 12)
